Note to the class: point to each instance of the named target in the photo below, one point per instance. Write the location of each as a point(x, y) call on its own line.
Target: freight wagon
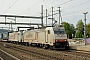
point(50, 37)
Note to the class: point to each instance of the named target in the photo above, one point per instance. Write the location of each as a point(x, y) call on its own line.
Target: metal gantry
point(21, 23)
point(16, 16)
point(20, 16)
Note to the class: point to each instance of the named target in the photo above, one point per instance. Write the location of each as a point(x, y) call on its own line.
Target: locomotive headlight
point(67, 45)
point(56, 40)
point(65, 40)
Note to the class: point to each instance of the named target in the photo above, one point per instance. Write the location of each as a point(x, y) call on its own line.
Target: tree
point(69, 28)
point(72, 28)
point(88, 30)
point(79, 29)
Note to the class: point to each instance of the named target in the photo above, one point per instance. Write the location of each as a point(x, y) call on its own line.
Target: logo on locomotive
point(11, 36)
point(29, 35)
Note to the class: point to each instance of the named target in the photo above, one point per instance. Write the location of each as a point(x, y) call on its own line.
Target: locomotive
point(4, 36)
point(49, 37)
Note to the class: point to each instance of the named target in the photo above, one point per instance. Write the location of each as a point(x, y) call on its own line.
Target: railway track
point(1, 58)
point(74, 54)
point(42, 54)
point(36, 54)
point(29, 51)
point(85, 54)
point(6, 56)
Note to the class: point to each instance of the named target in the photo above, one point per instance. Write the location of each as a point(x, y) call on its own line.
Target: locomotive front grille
point(60, 45)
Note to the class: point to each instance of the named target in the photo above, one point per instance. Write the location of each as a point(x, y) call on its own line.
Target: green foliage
point(69, 29)
point(79, 29)
point(88, 30)
point(80, 24)
point(78, 34)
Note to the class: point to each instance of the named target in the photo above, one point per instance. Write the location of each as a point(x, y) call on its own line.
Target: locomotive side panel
point(50, 39)
point(16, 36)
point(41, 37)
point(30, 36)
point(13, 36)
point(50, 36)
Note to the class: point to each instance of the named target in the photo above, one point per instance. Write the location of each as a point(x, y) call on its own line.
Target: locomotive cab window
point(48, 31)
point(59, 31)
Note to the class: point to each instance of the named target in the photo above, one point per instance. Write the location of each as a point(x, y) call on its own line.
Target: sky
point(71, 10)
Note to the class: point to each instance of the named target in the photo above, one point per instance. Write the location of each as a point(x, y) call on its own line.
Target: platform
point(80, 46)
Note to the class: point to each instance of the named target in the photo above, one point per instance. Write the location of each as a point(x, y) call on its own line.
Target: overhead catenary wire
point(11, 6)
point(77, 6)
point(61, 4)
point(51, 8)
point(32, 6)
point(70, 7)
point(78, 10)
point(73, 7)
point(69, 14)
point(56, 6)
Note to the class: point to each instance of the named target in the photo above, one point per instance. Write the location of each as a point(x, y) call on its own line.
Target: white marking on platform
point(10, 55)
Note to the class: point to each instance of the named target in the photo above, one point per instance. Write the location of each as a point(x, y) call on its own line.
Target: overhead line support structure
point(20, 23)
point(19, 16)
point(46, 17)
point(52, 16)
point(16, 16)
point(42, 14)
point(59, 14)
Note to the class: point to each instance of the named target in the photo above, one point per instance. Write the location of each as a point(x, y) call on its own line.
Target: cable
point(70, 12)
point(31, 6)
point(78, 5)
point(64, 3)
point(58, 5)
point(72, 7)
point(11, 6)
point(48, 8)
point(75, 12)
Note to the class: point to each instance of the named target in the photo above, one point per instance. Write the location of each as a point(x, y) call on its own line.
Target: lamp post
point(85, 27)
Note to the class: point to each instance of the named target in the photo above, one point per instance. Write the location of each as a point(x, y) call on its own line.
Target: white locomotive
point(49, 37)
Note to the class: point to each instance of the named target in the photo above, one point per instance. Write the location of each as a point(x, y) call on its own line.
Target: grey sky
point(71, 10)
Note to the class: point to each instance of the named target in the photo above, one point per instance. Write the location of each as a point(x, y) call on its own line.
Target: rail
point(9, 54)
